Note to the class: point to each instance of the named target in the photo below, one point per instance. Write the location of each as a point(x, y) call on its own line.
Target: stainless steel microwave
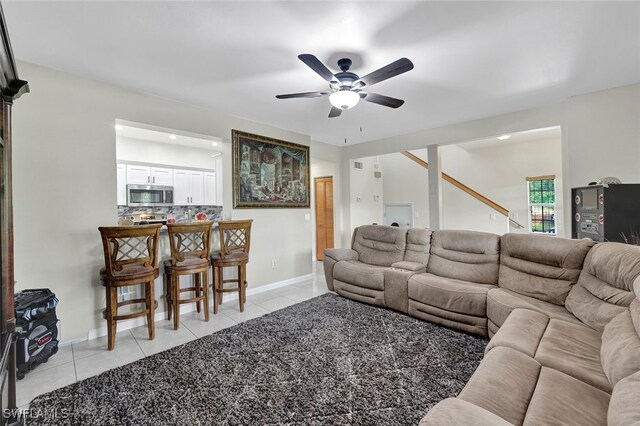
point(149, 195)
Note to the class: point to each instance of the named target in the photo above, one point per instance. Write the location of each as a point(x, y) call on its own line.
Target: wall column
point(435, 187)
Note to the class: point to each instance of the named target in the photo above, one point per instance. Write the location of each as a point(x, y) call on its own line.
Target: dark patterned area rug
point(326, 361)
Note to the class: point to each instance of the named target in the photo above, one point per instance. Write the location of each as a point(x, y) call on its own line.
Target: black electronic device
point(606, 212)
point(36, 328)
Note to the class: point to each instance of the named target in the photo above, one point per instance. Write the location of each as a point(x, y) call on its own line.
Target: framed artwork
point(269, 173)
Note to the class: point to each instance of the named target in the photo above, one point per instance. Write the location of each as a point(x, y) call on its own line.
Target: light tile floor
point(89, 358)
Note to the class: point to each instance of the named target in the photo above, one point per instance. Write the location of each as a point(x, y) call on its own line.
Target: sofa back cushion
point(624, 409)
point(380, 244)
point(465, 255)
point(540, 266)
point(620, 350)
point(418, 246)
point(605, 286)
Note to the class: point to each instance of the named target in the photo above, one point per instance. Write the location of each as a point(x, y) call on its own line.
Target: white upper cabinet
point(138, 175)
point(121, 179)
point(196, 180)
point(209, 189)
point(161, 176)
point(145, 175)
point(181, 191)
point(188, 187)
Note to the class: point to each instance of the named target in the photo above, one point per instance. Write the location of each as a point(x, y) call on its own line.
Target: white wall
point(65, 179)
point(365, 208)
point(600, 137)
point(405, 181)
point(498, 173)
point(143, 151)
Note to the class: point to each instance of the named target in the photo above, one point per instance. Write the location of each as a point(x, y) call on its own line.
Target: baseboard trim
point(137, 322)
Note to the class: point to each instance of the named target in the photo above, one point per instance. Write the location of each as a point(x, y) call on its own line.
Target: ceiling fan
point(347, 88)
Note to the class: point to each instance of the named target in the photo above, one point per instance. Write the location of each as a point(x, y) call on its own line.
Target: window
point(542, 204)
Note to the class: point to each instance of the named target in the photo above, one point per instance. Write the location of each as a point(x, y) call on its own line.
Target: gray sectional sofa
point(563, 317)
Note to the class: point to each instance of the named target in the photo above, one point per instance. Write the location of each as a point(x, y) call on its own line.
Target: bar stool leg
point(112, 311)
point(197, 291)
point(220, 284)
point(205, 295)
point(215, 289)
point(168, 295)
point(151, 307)
point(244, 283)
point(241, 288)
point(175, 285)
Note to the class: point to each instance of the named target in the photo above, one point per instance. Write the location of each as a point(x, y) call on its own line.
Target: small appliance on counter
point(36, 328)
point(147, 218)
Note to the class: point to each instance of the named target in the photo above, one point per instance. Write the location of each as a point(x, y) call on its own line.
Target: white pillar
point(435, 187)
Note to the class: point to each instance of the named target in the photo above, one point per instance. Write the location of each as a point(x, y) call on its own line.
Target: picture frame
point(269, 173)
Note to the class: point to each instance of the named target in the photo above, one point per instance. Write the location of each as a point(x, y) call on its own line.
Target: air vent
point(357, 165)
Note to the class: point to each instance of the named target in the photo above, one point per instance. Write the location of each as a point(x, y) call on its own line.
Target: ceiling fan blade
point(384, 100)
point(335, 112)
point(315, 64)
point(302, 95)
point(398, 67)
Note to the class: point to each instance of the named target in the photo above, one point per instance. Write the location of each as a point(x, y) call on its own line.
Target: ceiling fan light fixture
point(344, 99)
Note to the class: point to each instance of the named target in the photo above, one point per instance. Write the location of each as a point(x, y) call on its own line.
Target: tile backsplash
point(178, 212)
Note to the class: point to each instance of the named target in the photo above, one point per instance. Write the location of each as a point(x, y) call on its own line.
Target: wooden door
point(324, 215)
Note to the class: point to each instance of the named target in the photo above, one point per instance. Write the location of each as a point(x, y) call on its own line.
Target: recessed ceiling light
point(504, 137)
point(172, 137)
point(119, 127)
point(214, 143)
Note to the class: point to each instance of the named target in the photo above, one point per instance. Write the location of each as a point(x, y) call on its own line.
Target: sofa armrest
point(338, 254)
point(454, 412)
point(409, 266)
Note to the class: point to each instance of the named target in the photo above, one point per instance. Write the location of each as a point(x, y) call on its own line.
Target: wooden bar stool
point(235, 239)
point(190, 248)
point(130, 258)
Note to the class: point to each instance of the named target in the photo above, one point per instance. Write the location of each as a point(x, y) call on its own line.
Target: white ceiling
point(171, 138)
point(472, 59)
point(514, 138)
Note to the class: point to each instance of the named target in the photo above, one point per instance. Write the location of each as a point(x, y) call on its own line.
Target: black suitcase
point(36, 328)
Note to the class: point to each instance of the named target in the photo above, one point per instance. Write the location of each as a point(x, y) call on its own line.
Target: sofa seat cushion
point(500, 303)
point(455, 412)
point(519, 390)
point(450, 294)
point(570, 348)
point(503, 384)
point(560, 399)
point(360, 274)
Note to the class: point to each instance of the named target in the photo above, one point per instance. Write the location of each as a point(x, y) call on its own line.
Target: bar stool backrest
point(129, 245)
point(189, 240)
point(235, 237)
